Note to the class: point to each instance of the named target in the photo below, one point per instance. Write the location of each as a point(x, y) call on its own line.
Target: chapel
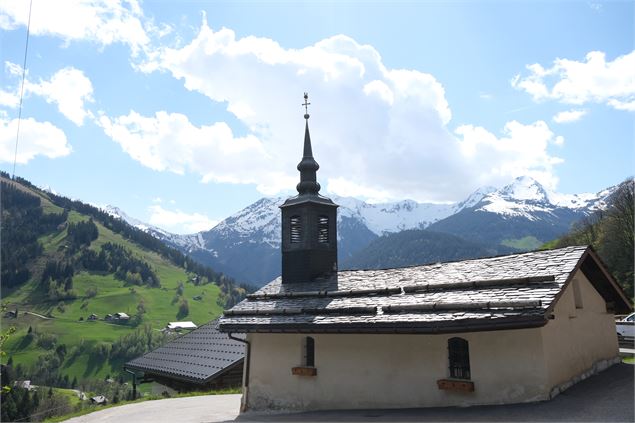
point(496, 330)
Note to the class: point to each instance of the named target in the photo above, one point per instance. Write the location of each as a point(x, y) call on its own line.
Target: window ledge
point(456, 385)
point(304, 371)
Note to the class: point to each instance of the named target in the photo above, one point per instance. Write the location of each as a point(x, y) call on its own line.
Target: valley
point(54, 290)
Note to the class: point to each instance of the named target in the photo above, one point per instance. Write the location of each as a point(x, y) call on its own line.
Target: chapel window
point(308, 358)
point(296, 229)
point(459, 358)
point(323, 229)
point(577, 294)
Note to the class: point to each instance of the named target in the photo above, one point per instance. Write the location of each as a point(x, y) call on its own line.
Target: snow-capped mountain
point(183, 242)
point(526, 197)
point(115, 211)
point(521, 215)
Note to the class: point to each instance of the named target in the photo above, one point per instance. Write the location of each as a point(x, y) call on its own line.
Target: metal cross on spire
point(306, 105)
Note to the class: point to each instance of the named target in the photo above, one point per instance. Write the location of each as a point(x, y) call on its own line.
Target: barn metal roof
point(198, 356)
point(514, 291)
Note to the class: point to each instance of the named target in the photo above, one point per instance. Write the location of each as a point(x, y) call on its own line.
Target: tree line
point(610, 232)
point(23, 222)
point(114, 258)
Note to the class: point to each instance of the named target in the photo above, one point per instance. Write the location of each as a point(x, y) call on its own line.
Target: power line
point(26, 49)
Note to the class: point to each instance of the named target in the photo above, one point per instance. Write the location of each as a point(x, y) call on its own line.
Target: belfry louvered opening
point(323, 229)
point(295, 229)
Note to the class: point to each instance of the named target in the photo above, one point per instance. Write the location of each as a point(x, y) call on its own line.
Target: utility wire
point(26, 49)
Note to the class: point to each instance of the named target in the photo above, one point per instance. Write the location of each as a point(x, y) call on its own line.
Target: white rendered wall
point(401, 371)
point(578, 337)
point(393, 371)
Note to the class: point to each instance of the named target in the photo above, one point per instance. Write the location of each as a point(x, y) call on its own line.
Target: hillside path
point(38, 315)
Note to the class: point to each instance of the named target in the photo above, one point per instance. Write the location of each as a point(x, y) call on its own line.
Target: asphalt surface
point(606, 397)
point(207, 408)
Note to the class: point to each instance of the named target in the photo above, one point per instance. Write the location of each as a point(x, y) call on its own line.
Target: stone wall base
point(597, 367)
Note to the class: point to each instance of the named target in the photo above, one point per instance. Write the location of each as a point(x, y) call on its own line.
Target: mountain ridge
point(246, 244)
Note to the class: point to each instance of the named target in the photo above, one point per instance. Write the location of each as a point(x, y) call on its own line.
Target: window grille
point(459, 358)
point(296, 229)
point(309, 352)
point(323, 229)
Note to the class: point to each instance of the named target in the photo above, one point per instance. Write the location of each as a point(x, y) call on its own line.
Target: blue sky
point(181, 113)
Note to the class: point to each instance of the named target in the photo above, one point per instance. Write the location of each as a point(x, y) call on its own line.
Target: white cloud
point(521, 151)
point(68, 88)
point(36, 139)
point(592, 81)
point(9, 99)
point(629, 106)
point(179, 222)
point(382, 133)
point(169, 142)
point(347, 188)
point(101, 21)
point(569, 116)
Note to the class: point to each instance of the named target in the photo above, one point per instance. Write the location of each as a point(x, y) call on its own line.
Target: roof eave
point(390, 328)
point(183, 378)
point(590, 253)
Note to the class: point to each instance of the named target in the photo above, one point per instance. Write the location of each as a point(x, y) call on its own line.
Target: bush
point(103, 350)
point(46, 340)
point(184, 309)
point(91, 292)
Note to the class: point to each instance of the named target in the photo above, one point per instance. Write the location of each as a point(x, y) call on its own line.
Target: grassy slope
point(112, 297)
point(526, 243)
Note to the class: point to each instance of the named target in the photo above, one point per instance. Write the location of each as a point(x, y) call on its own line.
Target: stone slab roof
point(197, 357)
point(503, 292)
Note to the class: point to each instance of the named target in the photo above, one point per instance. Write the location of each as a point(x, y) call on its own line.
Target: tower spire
point(309, 224)
point(308, 166)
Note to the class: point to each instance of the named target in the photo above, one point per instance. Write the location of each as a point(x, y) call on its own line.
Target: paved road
point(607, 397)
point(208, 408)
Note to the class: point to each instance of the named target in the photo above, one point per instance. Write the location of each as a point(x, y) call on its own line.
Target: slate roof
point(514, 291)
point(198, 356)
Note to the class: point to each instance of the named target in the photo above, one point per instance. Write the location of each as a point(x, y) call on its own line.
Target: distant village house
point(117, 316)
point(99, 400)
point(178, 326)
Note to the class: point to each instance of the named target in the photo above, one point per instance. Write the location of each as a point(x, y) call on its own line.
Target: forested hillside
point(66, 266)
point(414, 247)
point(611, 234)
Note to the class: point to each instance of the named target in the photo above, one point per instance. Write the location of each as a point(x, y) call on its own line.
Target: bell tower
point(309, 224)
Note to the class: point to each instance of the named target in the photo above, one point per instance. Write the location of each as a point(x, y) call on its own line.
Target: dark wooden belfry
point(309, 224)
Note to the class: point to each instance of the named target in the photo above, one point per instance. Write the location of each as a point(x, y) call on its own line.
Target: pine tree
point(9, 409)
point(25, 405)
